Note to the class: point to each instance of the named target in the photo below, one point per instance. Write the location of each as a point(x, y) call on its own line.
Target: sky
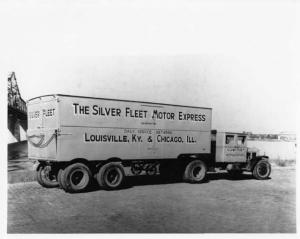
point(237, 57)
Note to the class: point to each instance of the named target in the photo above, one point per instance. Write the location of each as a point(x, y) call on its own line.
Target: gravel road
point(221, 205)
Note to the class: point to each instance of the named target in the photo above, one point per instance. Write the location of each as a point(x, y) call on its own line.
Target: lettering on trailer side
point(140, 137)
point(44, 112)
point(129, 112)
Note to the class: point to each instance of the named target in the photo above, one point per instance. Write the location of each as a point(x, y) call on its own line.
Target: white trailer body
point(63, 128)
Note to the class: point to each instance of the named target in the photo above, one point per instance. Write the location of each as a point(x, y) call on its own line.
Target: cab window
point(241, 140)
point(229, 139)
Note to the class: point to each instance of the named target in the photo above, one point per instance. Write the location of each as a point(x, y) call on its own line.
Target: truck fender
point(254, 161)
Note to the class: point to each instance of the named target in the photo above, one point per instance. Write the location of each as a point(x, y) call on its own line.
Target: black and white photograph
point(149, 118)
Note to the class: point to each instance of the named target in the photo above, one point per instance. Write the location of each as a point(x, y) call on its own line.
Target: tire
point(262, 170)
point(110, 176)
point(195, 172)
point(46, 177)
point(60, 178)
point(75, 178)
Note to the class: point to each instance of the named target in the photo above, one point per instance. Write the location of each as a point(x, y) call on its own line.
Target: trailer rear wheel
point(110, 176)
point(60, 177)
point(195, 172)
point(262, 170)
point(46, 177)
point(75, 178)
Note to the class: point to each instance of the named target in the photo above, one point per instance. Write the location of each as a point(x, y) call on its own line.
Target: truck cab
point(230, 152)
point(231, 147)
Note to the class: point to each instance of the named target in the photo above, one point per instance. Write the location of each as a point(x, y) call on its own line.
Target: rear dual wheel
point(46, 176)
point(60, 178)
point(74, 178)
point(195, 172)
point(77, 177)
point(111, 176)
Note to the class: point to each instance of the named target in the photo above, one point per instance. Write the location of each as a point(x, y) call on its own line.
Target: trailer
point(77, 140)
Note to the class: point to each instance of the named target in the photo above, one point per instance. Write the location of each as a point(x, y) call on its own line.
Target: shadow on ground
point(135, 181)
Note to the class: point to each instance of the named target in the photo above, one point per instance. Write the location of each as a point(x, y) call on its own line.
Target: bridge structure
point(16, 111)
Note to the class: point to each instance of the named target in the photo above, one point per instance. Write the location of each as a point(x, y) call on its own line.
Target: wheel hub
point(47, 173)
point(113, 176)
point(197, 172)
point(76, 177)
point(262, 170)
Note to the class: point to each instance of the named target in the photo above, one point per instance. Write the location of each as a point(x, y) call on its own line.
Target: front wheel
point(262, 170)
point(195, 172)
point(46, 176)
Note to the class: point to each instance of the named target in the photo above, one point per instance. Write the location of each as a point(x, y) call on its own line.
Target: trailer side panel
point(100, 129)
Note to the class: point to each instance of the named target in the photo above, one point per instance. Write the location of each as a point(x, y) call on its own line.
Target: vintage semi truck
point(77, 140)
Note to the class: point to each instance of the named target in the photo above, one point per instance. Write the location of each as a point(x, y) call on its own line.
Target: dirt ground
point(20, 170)
point(222, 205)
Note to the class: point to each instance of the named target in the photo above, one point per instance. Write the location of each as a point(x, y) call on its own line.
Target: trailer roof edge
point(134, 101)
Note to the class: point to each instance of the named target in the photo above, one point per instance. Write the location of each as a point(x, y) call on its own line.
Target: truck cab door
point(231, 147)
point(235, 149)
